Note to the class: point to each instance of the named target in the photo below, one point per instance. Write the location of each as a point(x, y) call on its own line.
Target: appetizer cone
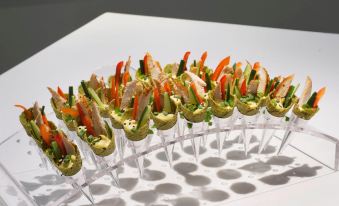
point(174, 72)
point(92, 130)
point(248, 93)
point(136, 126)
point(282, 99)
point(164, 115)
point(64, 107)
point(95, 90)
point(61, 152)
point(303, 110)
point(307, 106)
point(278, 103)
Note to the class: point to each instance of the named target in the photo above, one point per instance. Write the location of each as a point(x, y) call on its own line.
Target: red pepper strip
point(187, 54)
point(256, 66)
point(202, 60)
point(113, 87)
point(72, 112)
point(320, 94)
point(61, 93)
point(86, 121)
point(272, 86)
point(146, 64)
point(135, 107)
point(223, 86)
point(125, 78)
point(243, 89)
point(45, 133)
point(60, 143)
point(167, 88)
point(194, 88)
point(117, 82)
point(27, 113)
point(157, 99)
point(219, 68)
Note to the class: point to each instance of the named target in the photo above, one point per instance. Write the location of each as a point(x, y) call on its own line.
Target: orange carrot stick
point(256, 66)
point(72, 112)
point(194, 88)
point(320, 94)
point(219, 68)
point(45, 133)
point(27, 113)
point(125, 78)
point(146, 64)
point(61, 93)
point(202, 60)
point(187, 54)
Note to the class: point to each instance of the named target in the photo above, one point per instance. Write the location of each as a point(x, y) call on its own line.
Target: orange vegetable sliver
point(320, 94)
point(187, 54)
point(194, 88)
point(72, 112)
point(223, 87)
point(125, 78)
point(219, 68)
point(45, 133)
point(135, 107)
point(61, 93)
point(146, 64)
point(28, 114)
point(157, 99)
point(202, 60)
point(112, 87)
point(44, 119)
point(256, 66)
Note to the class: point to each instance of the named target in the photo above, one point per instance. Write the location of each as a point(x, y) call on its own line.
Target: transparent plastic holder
point(168, 136)
point(79, 183)
point(268, 133)
point(140, 147)
point(196, 132)
point(226, 125)
point(248, 123)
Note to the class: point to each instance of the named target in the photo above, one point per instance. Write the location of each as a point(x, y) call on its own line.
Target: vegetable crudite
point(191, 90)
point(283, 98)
point(54, 143)
point(96, 133)
point(307, 106)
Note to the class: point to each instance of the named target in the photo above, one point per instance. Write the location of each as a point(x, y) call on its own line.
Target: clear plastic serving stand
point(205, 176)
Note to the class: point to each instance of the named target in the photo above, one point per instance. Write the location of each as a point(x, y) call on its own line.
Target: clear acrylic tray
point(206, 178)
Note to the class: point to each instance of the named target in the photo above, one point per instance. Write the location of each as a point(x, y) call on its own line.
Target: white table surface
point(112, 37)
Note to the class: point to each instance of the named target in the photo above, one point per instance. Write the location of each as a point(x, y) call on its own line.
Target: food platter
point(207, 178)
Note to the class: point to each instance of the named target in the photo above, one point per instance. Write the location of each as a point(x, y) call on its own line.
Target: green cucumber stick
point(96, 98)
point(181, 68)
point(167, 103)
point(228, 93)
point(84, 87)
point(70, 96)
point(142, 66)
point(208, 82)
